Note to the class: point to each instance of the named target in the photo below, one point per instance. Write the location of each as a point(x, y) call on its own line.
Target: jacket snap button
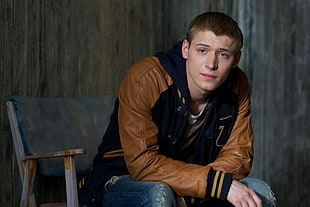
point(174, 141)
point(179, 108)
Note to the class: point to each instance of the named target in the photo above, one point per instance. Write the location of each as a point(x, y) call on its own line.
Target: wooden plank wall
point(280, 78)
point(83, 48)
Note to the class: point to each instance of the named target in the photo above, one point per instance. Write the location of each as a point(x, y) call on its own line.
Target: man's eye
point(202, 51)
point(221, 54)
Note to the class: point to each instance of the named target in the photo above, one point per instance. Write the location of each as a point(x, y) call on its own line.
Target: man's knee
point(160, 194)
point(123, 191)
point(262, 189)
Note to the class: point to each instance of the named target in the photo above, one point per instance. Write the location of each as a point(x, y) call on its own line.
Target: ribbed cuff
point(218, 184)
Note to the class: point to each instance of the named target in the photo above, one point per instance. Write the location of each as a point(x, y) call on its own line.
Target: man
point(180, 133)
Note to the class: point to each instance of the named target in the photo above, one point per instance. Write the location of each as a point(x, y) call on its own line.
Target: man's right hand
point(242, 196)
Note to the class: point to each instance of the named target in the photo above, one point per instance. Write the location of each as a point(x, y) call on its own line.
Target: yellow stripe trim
point(81, 182)
point(179, 93)
point(219, 190)
point(214, 183)
point(227, 117)
point(218, 137)
point(183, 100)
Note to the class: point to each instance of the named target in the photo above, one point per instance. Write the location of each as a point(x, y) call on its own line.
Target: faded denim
point(123, 191)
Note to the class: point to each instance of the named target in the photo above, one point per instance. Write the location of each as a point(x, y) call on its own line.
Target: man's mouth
point(208, 76)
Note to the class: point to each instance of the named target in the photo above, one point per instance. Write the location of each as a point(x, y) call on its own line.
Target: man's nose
point(211, 61)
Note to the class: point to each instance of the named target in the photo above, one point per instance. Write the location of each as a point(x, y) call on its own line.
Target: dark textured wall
point(280, 78)
point(83, 48)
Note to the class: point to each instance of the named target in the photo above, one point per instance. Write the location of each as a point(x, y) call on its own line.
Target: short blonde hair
point(219, 23)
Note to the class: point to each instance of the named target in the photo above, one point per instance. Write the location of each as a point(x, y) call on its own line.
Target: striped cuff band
point(218, 184)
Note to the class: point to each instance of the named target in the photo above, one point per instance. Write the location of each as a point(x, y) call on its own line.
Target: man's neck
point(197, 104)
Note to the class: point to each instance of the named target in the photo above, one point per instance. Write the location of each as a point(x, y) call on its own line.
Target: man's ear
point(185, 48)
point(237, 59)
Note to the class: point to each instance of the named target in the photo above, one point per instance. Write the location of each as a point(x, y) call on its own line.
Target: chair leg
point(71, 183)
point(28, 182)
point(32, 201)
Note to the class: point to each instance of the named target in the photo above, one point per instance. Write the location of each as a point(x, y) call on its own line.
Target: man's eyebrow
point(226, 50)
point(222, 49)
point(204, 45)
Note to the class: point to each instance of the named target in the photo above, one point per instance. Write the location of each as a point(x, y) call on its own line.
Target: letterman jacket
point(147, 123)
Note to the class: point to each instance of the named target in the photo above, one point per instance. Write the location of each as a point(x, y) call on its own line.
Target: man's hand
point(242, 196)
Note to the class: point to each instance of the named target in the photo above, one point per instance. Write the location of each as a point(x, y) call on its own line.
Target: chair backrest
point(56, 124)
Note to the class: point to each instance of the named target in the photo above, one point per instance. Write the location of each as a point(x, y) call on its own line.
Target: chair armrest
point(64, 153)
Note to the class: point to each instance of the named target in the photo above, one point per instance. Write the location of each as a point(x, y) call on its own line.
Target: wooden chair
point(58, 129)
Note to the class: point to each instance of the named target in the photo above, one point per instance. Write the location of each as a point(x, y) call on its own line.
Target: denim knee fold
point(124, 191)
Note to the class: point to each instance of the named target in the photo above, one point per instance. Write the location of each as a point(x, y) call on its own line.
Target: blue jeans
point(123, 191)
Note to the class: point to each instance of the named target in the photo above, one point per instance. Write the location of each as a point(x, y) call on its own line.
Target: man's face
point(209, 60)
